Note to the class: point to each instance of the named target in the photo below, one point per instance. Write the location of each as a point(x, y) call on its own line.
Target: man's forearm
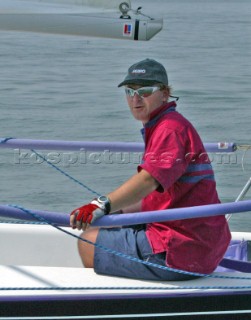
point(132, 191)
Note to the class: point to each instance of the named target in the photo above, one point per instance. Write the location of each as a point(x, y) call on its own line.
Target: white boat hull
point(42, 278)
point(77, 293)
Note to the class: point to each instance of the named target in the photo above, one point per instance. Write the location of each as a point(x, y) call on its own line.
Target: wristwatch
point(105, 204)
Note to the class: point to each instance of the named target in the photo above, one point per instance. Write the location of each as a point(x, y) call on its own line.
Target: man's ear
point(166, 93)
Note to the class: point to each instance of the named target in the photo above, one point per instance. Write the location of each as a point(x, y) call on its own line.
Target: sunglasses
point(143, 92)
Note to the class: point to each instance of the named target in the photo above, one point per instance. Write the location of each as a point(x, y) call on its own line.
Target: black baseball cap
point(146, 73)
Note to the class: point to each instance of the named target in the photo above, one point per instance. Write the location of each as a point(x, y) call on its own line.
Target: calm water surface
point(61, 87)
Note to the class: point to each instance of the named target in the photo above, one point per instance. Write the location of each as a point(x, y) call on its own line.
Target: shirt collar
point(157, 113)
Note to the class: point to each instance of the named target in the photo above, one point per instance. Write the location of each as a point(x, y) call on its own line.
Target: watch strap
point(104, 203)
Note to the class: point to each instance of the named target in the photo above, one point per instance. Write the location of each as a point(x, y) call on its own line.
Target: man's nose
point(136, 96)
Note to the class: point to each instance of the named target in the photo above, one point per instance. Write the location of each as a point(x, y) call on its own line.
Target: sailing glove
point(81, 217)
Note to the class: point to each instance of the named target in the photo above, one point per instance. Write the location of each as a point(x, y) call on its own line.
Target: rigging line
point(122, 288)
point(22, 222)
point(38, 217)
point(66, 174)
point(243, 146)
point(4, 140)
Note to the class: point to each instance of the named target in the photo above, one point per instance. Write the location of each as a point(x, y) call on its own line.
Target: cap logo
point(139, 71)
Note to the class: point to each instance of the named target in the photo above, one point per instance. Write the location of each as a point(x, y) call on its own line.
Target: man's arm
point(132, 191)
point(128, 194)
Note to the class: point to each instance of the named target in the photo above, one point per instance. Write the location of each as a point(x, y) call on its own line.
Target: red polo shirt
point(176, 158)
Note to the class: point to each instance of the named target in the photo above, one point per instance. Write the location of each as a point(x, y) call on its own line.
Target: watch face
point(103, 199)
point(105, 203)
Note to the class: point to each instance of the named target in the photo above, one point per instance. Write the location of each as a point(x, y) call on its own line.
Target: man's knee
point(86, 250)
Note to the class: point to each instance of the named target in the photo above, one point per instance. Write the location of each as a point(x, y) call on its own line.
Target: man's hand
point(82, 217)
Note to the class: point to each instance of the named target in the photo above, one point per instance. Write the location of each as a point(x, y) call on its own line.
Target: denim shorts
point(131, 241)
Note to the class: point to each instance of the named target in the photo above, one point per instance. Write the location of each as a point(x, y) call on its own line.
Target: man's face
point(142, 106)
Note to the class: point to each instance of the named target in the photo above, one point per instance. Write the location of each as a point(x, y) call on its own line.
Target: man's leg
point(86, 250)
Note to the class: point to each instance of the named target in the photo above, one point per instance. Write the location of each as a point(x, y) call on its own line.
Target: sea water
point(65, 87)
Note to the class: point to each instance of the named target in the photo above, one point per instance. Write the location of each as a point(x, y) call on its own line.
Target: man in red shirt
point(175, 172)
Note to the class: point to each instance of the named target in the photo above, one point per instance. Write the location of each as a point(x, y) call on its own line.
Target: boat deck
point(78, 293)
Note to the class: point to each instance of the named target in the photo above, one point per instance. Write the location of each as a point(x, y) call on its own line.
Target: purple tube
point(62, 219)
point(58, 218)
point(72, 145)
point(97, 145)
point(174, 214)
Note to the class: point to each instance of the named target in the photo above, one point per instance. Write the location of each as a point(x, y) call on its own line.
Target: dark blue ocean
point(65, 87)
